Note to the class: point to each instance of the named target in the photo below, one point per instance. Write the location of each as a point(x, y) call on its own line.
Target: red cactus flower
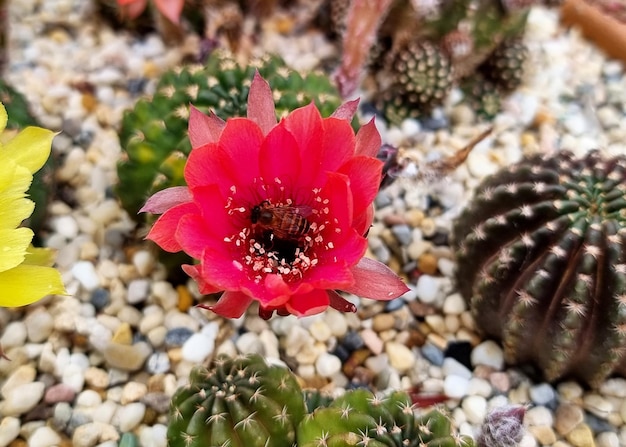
point(277, 212)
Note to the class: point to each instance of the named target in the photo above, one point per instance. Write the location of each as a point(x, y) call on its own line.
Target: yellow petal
point(13, 246)
point(26, 284)
point(29, 148)
point(40, 256)
point(3, 117)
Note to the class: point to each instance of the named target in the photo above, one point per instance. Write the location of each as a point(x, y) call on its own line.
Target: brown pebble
point(18, 443)
point(500, 381)
point(568, 417)
point(483, 371)
point(363, 376)
point(150, 416)
point(427, 263)
point(355, 360)
point(185, 299)
point(89, 102)
point(420, 309)
point(156, 383)
point(416, 339)
point(414, 217)
point(123, 334)
point(383, 322)
point(394, 219)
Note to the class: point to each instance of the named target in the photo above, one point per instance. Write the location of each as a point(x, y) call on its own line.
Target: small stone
point(427, 263)
point(543, 433)
point(177, 336)
point(570, 391)
point(581, 436)
point(9, 430)
point(22, 398)
point(133, 392)
point(372, 341)
point(402, 233)
point(158, 363)
point(138, 291)
point(249, 343)
point(59, 393)
point(488, 353)
point(538, 415)
point(607, 439)
point(144, 262)
point(130, 416)
point(14, 334)
point(320, 330)
point(73, 377)
point(455, 387)
point(85, 273)
point(427, 288)
point(500, 381)
point(22, 375)
point(475, 408)
point(454, 367)
point(96, 377)
point(432, 353)
point(197, 348)
point(615, 386)
point(567, 417)
point(100, 298)
point(127, 357)
point(542, 394)
point(598, 405)
point(400, 357)
point(383, 322)
point(479, 387)
point(327, 365)
point(123, 334)
point(39, 325)
point(44, 437)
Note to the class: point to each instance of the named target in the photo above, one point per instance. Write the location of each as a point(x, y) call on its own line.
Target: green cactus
point(42, 187)
point(505, 65)
point(153, 135)
point(360, 418)
point(421, 77)
point(314, 399)
point(240, 402)
point(542, 263)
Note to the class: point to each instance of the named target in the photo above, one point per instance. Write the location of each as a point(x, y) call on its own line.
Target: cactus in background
point(421, 77)
point(240, 402)
point(360, 418)
point(315, 399)
point(542, 263)
point(153, 135)
point(42, 187)
point(505, 65)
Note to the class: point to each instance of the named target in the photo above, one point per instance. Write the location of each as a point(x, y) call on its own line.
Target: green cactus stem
point(542, 263)
point(239, 402)
point(360, 418)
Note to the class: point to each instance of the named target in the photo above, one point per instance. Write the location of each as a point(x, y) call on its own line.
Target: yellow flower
point(25, 272)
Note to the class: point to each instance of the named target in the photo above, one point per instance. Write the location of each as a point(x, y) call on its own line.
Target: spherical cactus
point(542, 263)
point(421, 77)
point(153, 135)
point(240, 402)
point(505, 65)
point(360, 418)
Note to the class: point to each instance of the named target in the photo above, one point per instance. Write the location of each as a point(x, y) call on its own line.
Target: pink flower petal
point(280, 158)
point(131, 9)
point(330, 276)
point(338, 144)
point(222, 270)
point(261, 104)
point(363, 221)
point(212, 206)
point(232, 304)
point(206, 165)
point(368, 140)
point(305, 304)
point(373, 279)
point(204, 129)
point(364, 174)
point(346, 110)
point(204, 287)
point(339, 303)
point(194, 234)
point(277, 291)
point(305, 124)
point(170, 9)
point(164, 229)
point(241, 140)
point(163, 200)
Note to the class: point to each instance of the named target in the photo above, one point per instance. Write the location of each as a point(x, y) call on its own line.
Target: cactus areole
point(542, 263)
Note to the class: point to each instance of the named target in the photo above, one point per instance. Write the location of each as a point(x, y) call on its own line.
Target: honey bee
point(288, 222)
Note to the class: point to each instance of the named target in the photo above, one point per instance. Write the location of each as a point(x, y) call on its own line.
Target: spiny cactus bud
point(503, 427)
point(361, 418)
point(505, 65)
point(542, 263)
point(240, 402)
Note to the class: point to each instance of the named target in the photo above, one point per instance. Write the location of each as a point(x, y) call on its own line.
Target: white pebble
point(475, 408)
point(479, 387)
point(66, 226)
point(155, 436)
point(14, 335)
point(455, 387)
point(86, 274)
point(144, 262)
point(197, 348)
point(138, 290)
point(446, 266)
point(598, 405)
point(39, 325)
point(538, 415)
point(488, 353)
point(73, 377)
point(400, 356)
point(22, 398)
point(454, 304)
point(249, 343)
point(327, 364)
point(427, 288)
point(44, 437)
point(129, 416)
point(542, 394)
point(452, 366)
point(9, 430)
point(607, 439)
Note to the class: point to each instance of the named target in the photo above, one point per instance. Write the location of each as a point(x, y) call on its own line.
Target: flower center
point(279, 236)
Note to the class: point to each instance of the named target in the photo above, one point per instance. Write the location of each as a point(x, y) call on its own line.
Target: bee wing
point(303, 210)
